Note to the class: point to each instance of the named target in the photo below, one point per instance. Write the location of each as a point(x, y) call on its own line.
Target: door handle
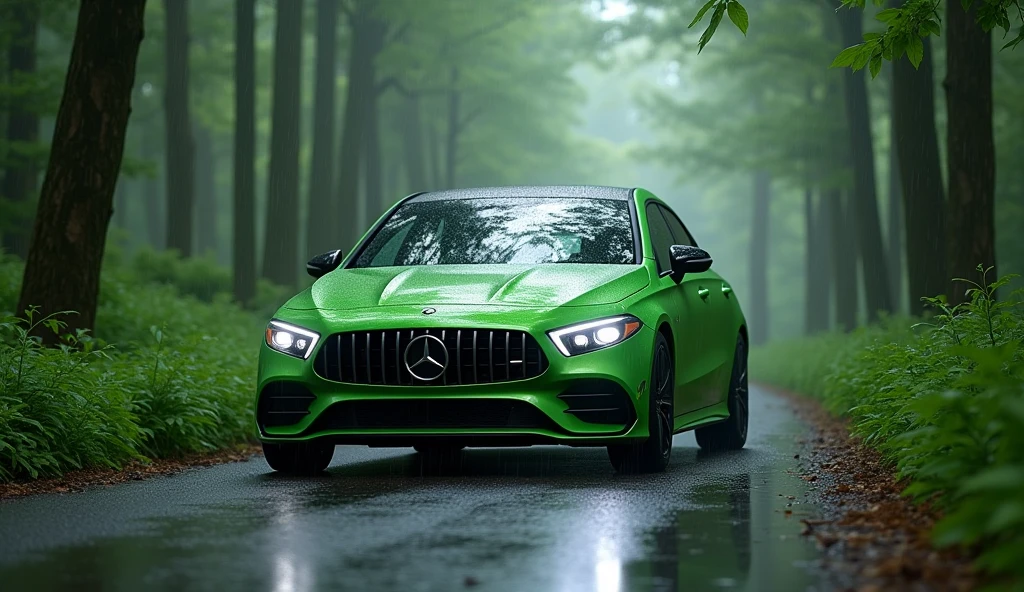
point(726, 290)
point(703, 293)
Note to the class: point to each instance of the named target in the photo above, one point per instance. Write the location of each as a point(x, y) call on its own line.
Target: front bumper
point(543, 409)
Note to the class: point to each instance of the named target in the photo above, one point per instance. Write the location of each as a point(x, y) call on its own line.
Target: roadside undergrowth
point(943, 401)
point(169, 372)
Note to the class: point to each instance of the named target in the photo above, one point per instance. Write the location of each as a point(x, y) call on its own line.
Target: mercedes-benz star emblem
point(426, 357)
point(429, 310)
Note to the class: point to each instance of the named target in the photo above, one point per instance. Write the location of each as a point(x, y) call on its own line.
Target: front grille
point(599, 401)
point(283, 403)
point(431, 413)
point(475, 356)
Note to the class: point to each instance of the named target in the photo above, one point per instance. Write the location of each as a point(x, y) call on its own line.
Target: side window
point(682, 237)
point(661, 237)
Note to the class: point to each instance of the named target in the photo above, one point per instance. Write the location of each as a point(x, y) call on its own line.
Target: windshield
point(503, 230)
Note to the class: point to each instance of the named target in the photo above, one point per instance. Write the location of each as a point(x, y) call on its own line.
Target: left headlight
point(291, 340)
point(594, 335)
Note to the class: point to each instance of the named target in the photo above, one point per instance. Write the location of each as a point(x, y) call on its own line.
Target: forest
point(168, 167)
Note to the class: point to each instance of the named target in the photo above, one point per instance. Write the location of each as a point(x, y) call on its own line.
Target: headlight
point(595, 335)
point(291, 340)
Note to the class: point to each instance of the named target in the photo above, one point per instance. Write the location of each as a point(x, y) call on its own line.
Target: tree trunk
point(434, 147)
point(970, 148)
point(321, 212)
point(844, 261)
point(367, 34)
point(19, 183)
point(180, 148)
point(243, 249)
point(206, 185)
point(452, 140)
point(62, 271)
point(822, 269)
point(759, 258)
point(280, 255)
point(895, 214)
point(154, 205)
point(864, 205)
point(412, 145)
point(816, 257)
point(371, 148)
point(917, 151)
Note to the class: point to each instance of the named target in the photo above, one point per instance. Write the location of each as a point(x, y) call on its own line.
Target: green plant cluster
point(943, 400)
point(165, 374)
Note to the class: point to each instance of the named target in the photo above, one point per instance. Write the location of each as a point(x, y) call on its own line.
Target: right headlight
point(594, 335)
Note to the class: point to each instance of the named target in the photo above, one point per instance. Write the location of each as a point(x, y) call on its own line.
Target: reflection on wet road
point(538, 519)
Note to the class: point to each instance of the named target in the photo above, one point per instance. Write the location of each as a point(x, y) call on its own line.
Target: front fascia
point(627, 363)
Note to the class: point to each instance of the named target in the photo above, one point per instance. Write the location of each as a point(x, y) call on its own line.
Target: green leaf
point(846, 57)
point(716, 18)
point(966, 4)
point(930, 27)
point(915, 51)
point(876, 65)
point(888, 14)
point(1013, 43)
point(738, 16)
point(701, 12)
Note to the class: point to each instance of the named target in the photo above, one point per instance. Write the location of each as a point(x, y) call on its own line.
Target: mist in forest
point(262, 133)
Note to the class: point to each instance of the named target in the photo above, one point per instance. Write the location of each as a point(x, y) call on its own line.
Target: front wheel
point(653, 454)
point(731, 434)
point(298, 458)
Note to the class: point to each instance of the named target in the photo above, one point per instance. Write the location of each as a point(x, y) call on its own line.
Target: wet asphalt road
point(533, 519)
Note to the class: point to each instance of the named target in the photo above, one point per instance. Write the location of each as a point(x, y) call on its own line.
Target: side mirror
point(323, 264)
point(687, 259)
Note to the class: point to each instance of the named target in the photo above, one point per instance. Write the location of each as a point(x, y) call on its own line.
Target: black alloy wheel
point(653, 454)
point(731, 434)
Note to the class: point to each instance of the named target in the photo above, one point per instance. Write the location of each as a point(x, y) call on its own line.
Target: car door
point(688, 392)
point(709, 294)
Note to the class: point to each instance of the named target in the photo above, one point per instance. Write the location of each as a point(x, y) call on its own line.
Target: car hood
point(536, 286)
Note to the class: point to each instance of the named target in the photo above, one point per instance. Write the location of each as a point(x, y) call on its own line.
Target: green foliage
point(737, 14)
point(178, 380)
point(944, 401)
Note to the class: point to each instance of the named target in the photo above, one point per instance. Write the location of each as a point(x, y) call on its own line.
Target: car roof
point(512, 191)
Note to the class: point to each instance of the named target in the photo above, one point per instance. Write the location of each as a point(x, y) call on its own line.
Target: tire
point(731, 434)
point(299, 458)
point(653, 454)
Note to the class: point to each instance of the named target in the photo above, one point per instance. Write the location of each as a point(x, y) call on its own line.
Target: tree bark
point(816, 292)
point(823, 265)
point(371, 148)
point(970, 148)
point(243, 249)
point(19, 183)
point(759, 258)
point(412, 145)
point(322, 210)
point(180, 148)
point(367, 33)
point(452, 140)
point(864, 205)
point(280, 255)
point(206, 189)
point(844, 261)
point(155, 210)
point(63, 267)
point(920, 171)
point(894, 203)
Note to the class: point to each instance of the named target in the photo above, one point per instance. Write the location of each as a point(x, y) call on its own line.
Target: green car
point(508, 316)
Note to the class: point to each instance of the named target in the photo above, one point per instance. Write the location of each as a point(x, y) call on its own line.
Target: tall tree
point(19, 182)
point(206, 193)
point(894, 210)
point(281, 247)
point(844, 260)
point(180, 149)
point(759, 258)
point(920, 173)
point(62, 271)
point(243, 251)
point(322, 211)
point(818, 282)
point(970, 148)
point(367, 32)
point(864, 203)
point(412, 144)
